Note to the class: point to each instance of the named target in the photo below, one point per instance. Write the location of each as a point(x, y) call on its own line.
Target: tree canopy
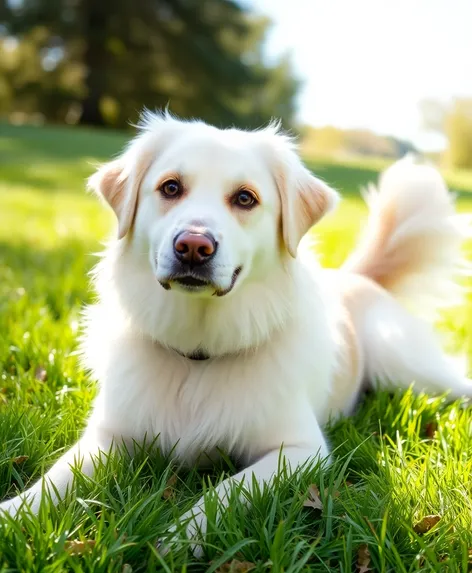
point(101, 62)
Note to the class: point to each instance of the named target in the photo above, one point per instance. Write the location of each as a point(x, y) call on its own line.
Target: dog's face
point(208, 209)
point(212, 208)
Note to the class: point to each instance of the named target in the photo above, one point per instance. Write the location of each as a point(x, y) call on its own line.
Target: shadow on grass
point(59, 142)
point(350, 179)
point(56, 158)
point(346, 179)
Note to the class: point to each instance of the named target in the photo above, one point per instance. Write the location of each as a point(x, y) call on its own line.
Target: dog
point(216, 328)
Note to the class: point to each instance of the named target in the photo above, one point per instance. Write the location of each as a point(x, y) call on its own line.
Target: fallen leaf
point(3, 396)
point(40, 374)
point(313, 500)
point(363, 558)
point(20, 459)
point(426, 523)
point(421, 560)
point(169, 489)
point(236, 566)
point(77, 547)
point(430, 429)
point(371, 527)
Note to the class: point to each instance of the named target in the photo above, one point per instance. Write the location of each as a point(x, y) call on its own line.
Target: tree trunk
point(94, 18)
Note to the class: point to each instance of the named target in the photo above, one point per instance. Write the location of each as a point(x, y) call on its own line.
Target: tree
point(454, 120)
point(203, 57)
point(459, 133)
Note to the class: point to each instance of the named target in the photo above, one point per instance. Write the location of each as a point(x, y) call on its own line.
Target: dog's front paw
point(194, 527)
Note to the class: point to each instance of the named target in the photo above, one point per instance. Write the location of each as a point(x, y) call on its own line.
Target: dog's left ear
point(118, 182)
point(115, 186)
point(305, 199)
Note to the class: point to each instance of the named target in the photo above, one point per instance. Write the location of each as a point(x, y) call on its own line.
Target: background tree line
point(98, 62)
point(454, 120)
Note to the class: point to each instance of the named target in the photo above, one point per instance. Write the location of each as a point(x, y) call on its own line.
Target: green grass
point(391, 468)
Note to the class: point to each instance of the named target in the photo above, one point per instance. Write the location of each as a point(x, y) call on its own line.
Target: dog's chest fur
point(243, 404)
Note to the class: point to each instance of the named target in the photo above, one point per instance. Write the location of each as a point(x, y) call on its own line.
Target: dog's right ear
point(116, 186)
point(118, 182)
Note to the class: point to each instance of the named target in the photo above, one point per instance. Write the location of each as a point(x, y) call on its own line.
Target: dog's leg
point(402, 350)
point(56, 481)
point(286, 459)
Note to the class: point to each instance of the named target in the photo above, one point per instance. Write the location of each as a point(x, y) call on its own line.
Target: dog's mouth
point(234, 278)
point(192, 283)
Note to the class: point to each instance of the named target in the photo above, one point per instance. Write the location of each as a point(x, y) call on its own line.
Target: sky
point(369, 63)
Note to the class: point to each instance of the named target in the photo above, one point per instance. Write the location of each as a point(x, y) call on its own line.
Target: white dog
point(213, 330)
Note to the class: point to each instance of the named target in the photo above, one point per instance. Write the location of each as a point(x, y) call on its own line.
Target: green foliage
point(454, 120)
point(336, 142)
point(101, 62)
point(398, 459)
point(459, 133)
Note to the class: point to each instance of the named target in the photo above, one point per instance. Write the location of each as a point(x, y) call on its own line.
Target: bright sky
point(368, 63)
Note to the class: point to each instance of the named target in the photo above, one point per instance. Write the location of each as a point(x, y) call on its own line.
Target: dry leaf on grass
point(371, 527)
point(77, 547)
point(169, 489)
point(363, 559)
point(20, 459)
point(430, 429)
point(313, 500)
point(40, 374)
point(236, 566)
point(426, 523)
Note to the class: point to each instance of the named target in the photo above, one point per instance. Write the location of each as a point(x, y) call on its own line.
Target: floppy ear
point(112, 184)
point(118, 183)
point(304, 199)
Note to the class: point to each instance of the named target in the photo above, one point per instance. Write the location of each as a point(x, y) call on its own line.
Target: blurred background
point(360, 83)
point(366, 78)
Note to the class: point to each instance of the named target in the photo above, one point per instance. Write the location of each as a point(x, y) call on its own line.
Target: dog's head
point(211, 207)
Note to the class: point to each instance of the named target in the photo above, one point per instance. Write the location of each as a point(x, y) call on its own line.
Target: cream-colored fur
point(290, 344)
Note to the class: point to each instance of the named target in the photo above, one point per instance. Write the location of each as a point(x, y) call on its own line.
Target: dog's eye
point(171, 188)
point(244, 199)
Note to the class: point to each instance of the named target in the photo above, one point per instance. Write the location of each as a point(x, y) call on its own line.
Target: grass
point(398, 459)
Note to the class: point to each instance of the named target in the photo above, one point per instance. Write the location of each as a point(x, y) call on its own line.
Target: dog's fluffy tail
point(413, 238)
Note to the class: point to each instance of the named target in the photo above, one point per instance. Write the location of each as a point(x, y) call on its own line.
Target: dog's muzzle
point(194, 251)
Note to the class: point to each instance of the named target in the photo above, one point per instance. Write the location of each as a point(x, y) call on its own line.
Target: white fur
point(426, 237)
point(276, 342)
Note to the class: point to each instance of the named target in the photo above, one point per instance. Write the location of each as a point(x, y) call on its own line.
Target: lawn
point(399, 459)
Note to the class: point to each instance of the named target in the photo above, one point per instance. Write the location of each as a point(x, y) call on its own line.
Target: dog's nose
point(194, 248)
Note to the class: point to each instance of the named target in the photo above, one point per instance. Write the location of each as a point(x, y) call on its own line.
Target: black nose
point(194, 248)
